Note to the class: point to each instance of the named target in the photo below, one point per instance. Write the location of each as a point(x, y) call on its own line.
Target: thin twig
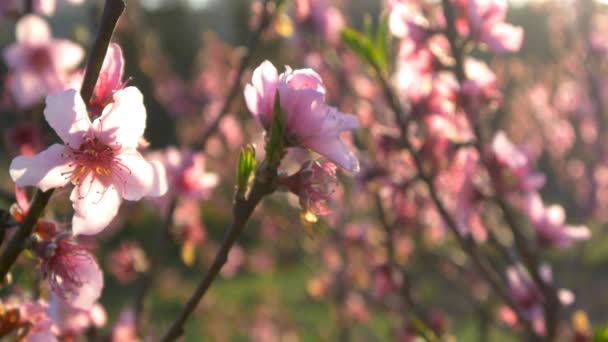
point(112, 11)
point(265, 21)
point(242, 210)
point(147, 278)
point(530, 261)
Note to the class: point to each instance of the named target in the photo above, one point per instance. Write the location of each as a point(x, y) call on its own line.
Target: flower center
point(39, 59)
point(94, 157)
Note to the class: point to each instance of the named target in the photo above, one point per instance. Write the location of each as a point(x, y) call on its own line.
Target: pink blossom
point(186, 173)
point(323, 18)
point(124, 330)
point(529, 298)
point(109, 81)
point(99, 158)
point(25, 139)
point(71, 321)
point(71, 271)
point(549, 224)
point(41, 328)
point(126, 261)
point(313, 184)
point(40, 65)
point(510, 167)
point(485, 20)
point(406, 23)
point(480, 87)
point(310, 122)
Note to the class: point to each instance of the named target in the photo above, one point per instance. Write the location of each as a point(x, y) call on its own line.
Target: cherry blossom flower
point(313, 184)
point(126, 261)
point(549, 224)
point(485, 19)
point(71, 271)
point(40, 65)
point(510, 167)
point(310, 122)
point(529, 297)
point(324, 18)
point(186, 173)
point(99, 158)
point(406, 23)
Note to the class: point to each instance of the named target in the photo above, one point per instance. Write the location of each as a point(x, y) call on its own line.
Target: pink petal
point(66, 55)
point(304, 79)
point(15, 56)
point(110, 77)
point(27, 88)
point(337, 152)
point(33, 30)
point(140, 177)
point(123, 122)
point(95, 206)
point(504, 38)
point(44, 170)
point(259, 96)
point(91, 276)
point(67, 114)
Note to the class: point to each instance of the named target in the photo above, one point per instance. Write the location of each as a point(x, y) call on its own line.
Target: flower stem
point(242, 210)
point(112, 11)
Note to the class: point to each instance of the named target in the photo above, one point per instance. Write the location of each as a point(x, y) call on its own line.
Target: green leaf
point(382, 40)
point(365, 48)
point(600, 335)
point(275, 144)
point(245, 170)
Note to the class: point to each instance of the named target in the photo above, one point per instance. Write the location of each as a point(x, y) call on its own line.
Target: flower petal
point(124, 121)
point(337, 152)
point(110, 77)
point(44, 170)
point(89, 273)
point(140, 177)
point(65, 55)
point(95, 206)
point(68, 116)
point(33, 30)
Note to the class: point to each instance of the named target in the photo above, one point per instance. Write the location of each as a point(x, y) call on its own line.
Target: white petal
point(95, 206)
point(67, 114)
point(124, 121)
point(31, 29)
point(139, 177)
point(44, 170)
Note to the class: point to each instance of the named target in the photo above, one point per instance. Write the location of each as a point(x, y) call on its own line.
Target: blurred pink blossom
point(41, 327)
point(485, 22)
point(124, 330)
point(310, 122)
point(313, 184)
point(126, 261)
point(40, 65)
point(71, 322)
point(510, 167)
point(100, 158)
point(550, 226)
